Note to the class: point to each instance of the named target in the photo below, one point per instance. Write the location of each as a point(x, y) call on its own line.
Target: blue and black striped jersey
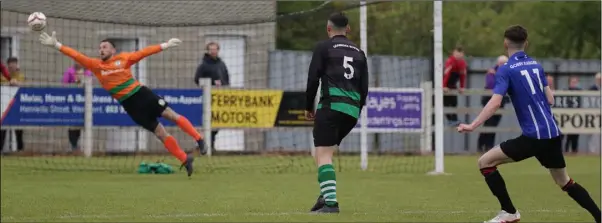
point(524, 80)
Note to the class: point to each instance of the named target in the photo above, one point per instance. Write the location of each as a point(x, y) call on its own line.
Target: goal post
point(269, 134)
point(425, 101)
point(438, 89)
point(88, 117)
point(205, 84)
point(364, 114)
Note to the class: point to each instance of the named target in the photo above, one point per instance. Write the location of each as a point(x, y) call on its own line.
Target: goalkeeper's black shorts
point(331, 127)
point(145, 107)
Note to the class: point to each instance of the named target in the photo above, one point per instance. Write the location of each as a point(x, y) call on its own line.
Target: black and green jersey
point(343, 70)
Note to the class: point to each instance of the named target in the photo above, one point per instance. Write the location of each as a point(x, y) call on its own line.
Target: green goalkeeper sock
point(328, 184)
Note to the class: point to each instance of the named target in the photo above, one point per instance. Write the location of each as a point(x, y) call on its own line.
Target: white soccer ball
point(37, 21)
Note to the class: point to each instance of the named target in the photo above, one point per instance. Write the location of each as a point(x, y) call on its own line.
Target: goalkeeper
point(141, 104)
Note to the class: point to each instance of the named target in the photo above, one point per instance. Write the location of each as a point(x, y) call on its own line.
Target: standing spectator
point(75, 75)
point(550, 80)
point(4, 79)
point(486, 140)
point(213, 67)
point(4, 71)
point(571, 142)
point(455, 71)
point(596, 86)
point(16, 77)
point(594, 139)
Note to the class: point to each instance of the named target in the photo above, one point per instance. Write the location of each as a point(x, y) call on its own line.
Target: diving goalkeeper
point(141, 104)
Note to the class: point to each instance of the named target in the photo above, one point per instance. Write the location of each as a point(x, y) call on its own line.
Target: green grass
point(276, 189)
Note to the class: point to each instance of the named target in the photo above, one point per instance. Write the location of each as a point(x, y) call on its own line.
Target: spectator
point(550, 80)
point(596, 86)
point(572, 140)
point(4, 71)
point(455, 71)
point(594, 139)
point(213, 67)
point(16, 77)
point(486, 140)
point(75, 75)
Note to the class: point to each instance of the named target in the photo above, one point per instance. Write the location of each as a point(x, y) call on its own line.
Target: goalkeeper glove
point(50, 41)
point(173, 42)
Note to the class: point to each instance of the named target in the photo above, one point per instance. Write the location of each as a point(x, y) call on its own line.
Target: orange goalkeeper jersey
point(114, 74)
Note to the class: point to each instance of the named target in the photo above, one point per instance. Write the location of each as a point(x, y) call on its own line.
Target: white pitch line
point(208, 215)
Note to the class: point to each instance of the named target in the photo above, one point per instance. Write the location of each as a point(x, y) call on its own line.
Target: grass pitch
point(223, 191)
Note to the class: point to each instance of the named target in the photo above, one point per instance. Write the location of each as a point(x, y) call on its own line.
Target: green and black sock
point(328, 184)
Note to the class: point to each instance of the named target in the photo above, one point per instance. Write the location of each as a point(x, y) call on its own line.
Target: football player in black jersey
point(342, 68)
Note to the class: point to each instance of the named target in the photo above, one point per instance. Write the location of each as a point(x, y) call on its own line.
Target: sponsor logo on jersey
point(346, 46)
point(108, 72)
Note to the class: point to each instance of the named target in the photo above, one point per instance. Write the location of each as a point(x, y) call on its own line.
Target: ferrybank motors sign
point(577, 114)
point(29, 106)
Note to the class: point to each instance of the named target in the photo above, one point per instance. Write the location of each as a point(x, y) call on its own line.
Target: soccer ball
point(37, 21)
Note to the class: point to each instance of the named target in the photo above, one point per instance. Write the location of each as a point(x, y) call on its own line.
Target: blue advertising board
point(29, 106)
point(392, 110)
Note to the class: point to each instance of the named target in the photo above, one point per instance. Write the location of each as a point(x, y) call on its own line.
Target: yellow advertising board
point(242, 108)
point(575, 121)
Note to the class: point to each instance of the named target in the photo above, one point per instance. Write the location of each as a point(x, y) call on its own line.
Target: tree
point(301, 31)
point(556, 29)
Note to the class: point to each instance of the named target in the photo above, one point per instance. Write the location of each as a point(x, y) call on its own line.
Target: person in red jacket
point(455, 71)
point(4, 71)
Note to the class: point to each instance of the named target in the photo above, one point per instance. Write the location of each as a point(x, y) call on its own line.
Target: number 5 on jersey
point(526, 74)
point(346, 65)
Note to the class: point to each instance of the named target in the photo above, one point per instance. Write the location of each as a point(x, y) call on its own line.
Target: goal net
point(52, 120)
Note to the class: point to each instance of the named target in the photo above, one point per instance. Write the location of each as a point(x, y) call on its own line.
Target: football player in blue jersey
point(523, 79)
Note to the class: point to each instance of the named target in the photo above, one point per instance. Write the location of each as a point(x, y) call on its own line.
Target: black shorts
point(547, 151)
point(145, 107)
point(331, 127)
